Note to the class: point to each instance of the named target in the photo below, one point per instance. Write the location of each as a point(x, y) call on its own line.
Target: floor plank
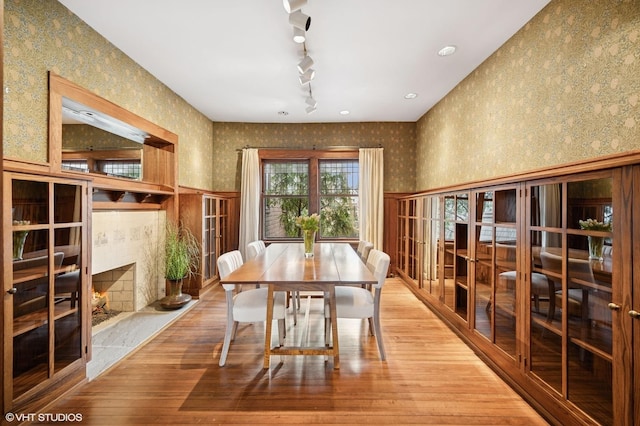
point(430, 376)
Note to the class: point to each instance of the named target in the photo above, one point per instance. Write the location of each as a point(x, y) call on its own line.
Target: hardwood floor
point(430, 376)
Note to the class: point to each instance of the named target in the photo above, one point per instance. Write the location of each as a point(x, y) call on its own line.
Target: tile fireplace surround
point(129, 244)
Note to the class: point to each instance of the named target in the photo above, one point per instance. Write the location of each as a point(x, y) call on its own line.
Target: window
point(323, 182)
point(339, 198)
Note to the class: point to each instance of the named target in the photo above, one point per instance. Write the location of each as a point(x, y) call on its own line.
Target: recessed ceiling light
point(447, 51)
point(411, 96)
point(344, 112)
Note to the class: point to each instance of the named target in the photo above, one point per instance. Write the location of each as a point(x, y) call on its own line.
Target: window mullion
point(314, 186)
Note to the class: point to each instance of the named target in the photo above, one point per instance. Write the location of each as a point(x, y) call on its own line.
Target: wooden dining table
point(284, 267)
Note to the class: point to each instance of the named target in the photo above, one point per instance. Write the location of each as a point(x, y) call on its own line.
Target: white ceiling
point(235, 60)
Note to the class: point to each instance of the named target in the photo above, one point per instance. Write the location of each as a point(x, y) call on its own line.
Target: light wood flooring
point(430, 376)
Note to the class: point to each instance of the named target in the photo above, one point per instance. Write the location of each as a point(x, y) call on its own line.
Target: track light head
point(300, 20)
point(310, 109)
point(311, 102)
point(293, 5)
point(307, 76)
point(299, 36)
point(305, 64)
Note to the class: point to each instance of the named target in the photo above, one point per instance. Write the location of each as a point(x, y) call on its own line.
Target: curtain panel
point(371, 195)
point(249, 199)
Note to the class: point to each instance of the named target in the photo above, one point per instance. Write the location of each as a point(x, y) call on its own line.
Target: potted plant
point(182, 253)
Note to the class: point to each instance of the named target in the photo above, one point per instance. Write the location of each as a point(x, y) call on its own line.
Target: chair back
point(254, 248)
point(227, 263)
point(378, 263)
point(363, 250)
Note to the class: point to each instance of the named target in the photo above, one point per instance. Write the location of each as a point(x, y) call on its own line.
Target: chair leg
point(327, 331)
point(227, 342)
point(281, 331)
point(295, 307)
point(378, 331)
point(371, 327)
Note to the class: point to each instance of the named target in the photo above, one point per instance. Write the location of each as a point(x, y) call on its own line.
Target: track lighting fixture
point(310, 109)
point(305, 64)
point(300, 20)
point(293, 5)
point(299, 36)
point(306, 77)
point(311, 102)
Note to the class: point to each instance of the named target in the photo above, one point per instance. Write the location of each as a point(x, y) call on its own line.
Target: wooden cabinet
point(45, 288)
point(523, 286)
point(208, 217)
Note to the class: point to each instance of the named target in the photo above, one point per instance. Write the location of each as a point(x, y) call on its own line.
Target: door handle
point(634, 314)
point(614, 306)
point(12, 290)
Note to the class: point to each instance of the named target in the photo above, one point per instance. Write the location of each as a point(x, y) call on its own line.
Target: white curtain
point(249, 199)
point(550, 213)
point(371, 196)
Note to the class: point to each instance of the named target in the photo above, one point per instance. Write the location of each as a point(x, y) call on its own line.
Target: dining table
point(285, 267)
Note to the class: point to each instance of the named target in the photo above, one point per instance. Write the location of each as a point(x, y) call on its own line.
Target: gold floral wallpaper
point(397, 139)
point(566, 87)
point(42, 36)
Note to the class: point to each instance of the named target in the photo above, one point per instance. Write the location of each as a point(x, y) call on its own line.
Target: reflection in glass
point(579, 291)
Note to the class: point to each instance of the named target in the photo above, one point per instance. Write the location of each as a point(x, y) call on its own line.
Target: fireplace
point(126, 259)
point(113, 289)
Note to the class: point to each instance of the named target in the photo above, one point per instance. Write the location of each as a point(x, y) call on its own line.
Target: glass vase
point(596, 244)
point(309, 240)
point(19, 237)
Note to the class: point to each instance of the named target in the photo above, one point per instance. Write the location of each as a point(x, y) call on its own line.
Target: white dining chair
point(364, 247)
point(257, 247)
point(249, 306)
point(358, 302)
point(254, 248)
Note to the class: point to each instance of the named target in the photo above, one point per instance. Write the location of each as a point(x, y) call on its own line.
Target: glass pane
point(30, 202)
point(484, 301)
point(339, 217)
point(589, 199)
point(546, 355)
point(462, 207)
point(68, 202)
point(546, 205)
point(280, 216)
point(505, 293)
point(67, 290)
point(30, 314)
point(590, 377)
point(286, 178)
point(339, 177)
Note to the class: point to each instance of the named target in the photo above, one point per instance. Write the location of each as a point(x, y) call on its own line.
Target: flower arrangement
point(594, 225)
point(308, 223)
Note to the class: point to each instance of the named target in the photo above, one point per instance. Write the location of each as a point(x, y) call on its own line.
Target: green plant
point(181, 252)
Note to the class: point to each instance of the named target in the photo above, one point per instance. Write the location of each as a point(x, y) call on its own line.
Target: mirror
point(89, 134)
point(95, 142)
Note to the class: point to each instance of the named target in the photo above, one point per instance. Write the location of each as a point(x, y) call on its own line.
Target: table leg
point(267, 331)
point(334, 327)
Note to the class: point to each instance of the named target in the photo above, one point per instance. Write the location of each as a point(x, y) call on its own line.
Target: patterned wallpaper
point(42, 36)
point(566, 87)
point(397, 139)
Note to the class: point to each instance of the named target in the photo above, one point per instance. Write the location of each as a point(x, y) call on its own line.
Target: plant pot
point(176, 299)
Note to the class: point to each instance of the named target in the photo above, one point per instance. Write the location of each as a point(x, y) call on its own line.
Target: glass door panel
point(496, 277)
point(67, 294)
point(31, 269)
point(571, 336)
point(430, 238)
